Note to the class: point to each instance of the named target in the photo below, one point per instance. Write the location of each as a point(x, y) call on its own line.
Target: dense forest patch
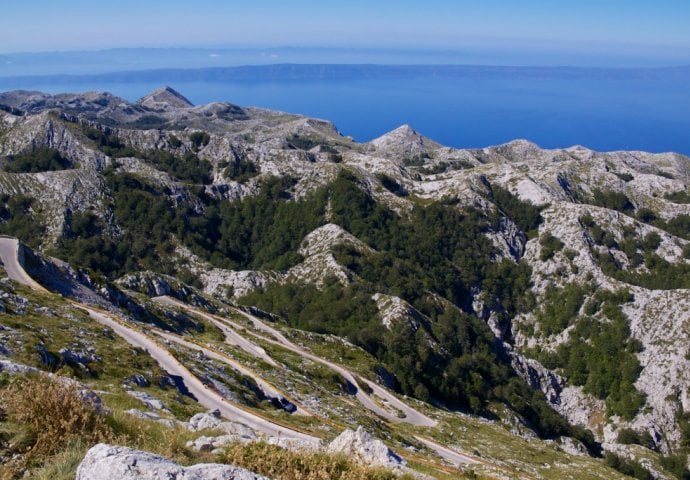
point(40, 159)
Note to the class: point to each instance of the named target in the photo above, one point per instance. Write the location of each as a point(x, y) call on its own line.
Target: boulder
point(150, 402)
point(362, 447)
point(111, 462)
point(212, 421)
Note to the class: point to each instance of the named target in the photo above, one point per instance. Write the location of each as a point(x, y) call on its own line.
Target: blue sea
point(555, 108)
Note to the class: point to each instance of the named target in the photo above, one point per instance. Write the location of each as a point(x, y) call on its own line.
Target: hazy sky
point(645, 28)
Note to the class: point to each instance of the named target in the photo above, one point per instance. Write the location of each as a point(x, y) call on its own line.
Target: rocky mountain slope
point(546, 290)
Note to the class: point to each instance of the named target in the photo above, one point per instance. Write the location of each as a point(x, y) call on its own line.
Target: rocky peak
point(165, 97)
point(404, 142)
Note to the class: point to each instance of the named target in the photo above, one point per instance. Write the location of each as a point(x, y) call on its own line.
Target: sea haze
point(460, 106)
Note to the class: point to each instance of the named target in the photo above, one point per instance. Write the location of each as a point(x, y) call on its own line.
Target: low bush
point(52, 415)
point(279, 464)
point(550, 245)
point(37, 160)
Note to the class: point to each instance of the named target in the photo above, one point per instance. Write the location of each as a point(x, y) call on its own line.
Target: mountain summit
point(165, 97)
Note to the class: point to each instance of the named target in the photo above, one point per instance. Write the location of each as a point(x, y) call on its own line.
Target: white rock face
point(403, 142)
point(110, 462)
point(209, 421)
point(149, 401)
point(364, 448)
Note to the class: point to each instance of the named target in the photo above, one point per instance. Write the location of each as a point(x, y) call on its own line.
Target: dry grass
point(279, 464)
point(46, 427)
point(50, 415)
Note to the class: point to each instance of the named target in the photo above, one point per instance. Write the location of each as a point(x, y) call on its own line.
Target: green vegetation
point(613, 200)
point(280, 464)
point(416, 160)
point(600, 354)
point(626, 177)
point(300, 142)
point(680, 196)
point(677, 465)
point(525, 215)
point(18, 219)
point(261, 232)
point(392, 185)
point(199, 139)
point(627, 467)
point(443, 167)
point(186, 168)
point(40, 159)
point(174, 142)
point(109, 143)
point(628, 436)
point(240, 170)
point(436, 252)
point(346, 311)
point(550, 245)
point(660, 274)
point(560, 308)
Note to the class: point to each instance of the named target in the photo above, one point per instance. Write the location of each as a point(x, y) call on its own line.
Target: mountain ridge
point(524, 253)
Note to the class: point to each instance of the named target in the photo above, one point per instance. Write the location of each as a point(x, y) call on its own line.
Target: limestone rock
point(147, 400)
point(165, 97)
point(110, 462)
point(366, 449)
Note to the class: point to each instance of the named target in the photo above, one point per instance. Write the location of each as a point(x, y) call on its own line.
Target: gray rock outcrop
point(364, 448)
point(111, 462)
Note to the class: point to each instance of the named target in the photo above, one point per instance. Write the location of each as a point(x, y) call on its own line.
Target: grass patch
point(280, 464)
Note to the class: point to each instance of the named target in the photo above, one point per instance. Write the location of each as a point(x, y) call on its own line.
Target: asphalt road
point(206, 397)
point(411, 415)
point(210, 399)
point(9, 249)
point(231, 336)
point(268, 389)
point(446, 453)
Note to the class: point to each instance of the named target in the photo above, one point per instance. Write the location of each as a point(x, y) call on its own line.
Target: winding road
point(9, 254)
point(268, 389)
point(10, 257)
point(411, 415)
point(206, 397)
point(231, 335)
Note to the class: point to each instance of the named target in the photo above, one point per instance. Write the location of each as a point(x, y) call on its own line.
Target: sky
point(642, 29)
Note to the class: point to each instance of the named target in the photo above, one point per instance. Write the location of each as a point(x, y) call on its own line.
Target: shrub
point(613, 200)
point(392, 185)
point(626, 177)
point(241, 170)
point(525, 215)
point(676, 464)
point(549, 246)
point(37, 160)
point(199, 139)
point(54, 414)
point(628, 436)
point(646, 215)
point(681, 196)
point(298, 142)
point(627, 467)
point(109, 143)
point(18, 219)
point(280, 464)
point(174, 142)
